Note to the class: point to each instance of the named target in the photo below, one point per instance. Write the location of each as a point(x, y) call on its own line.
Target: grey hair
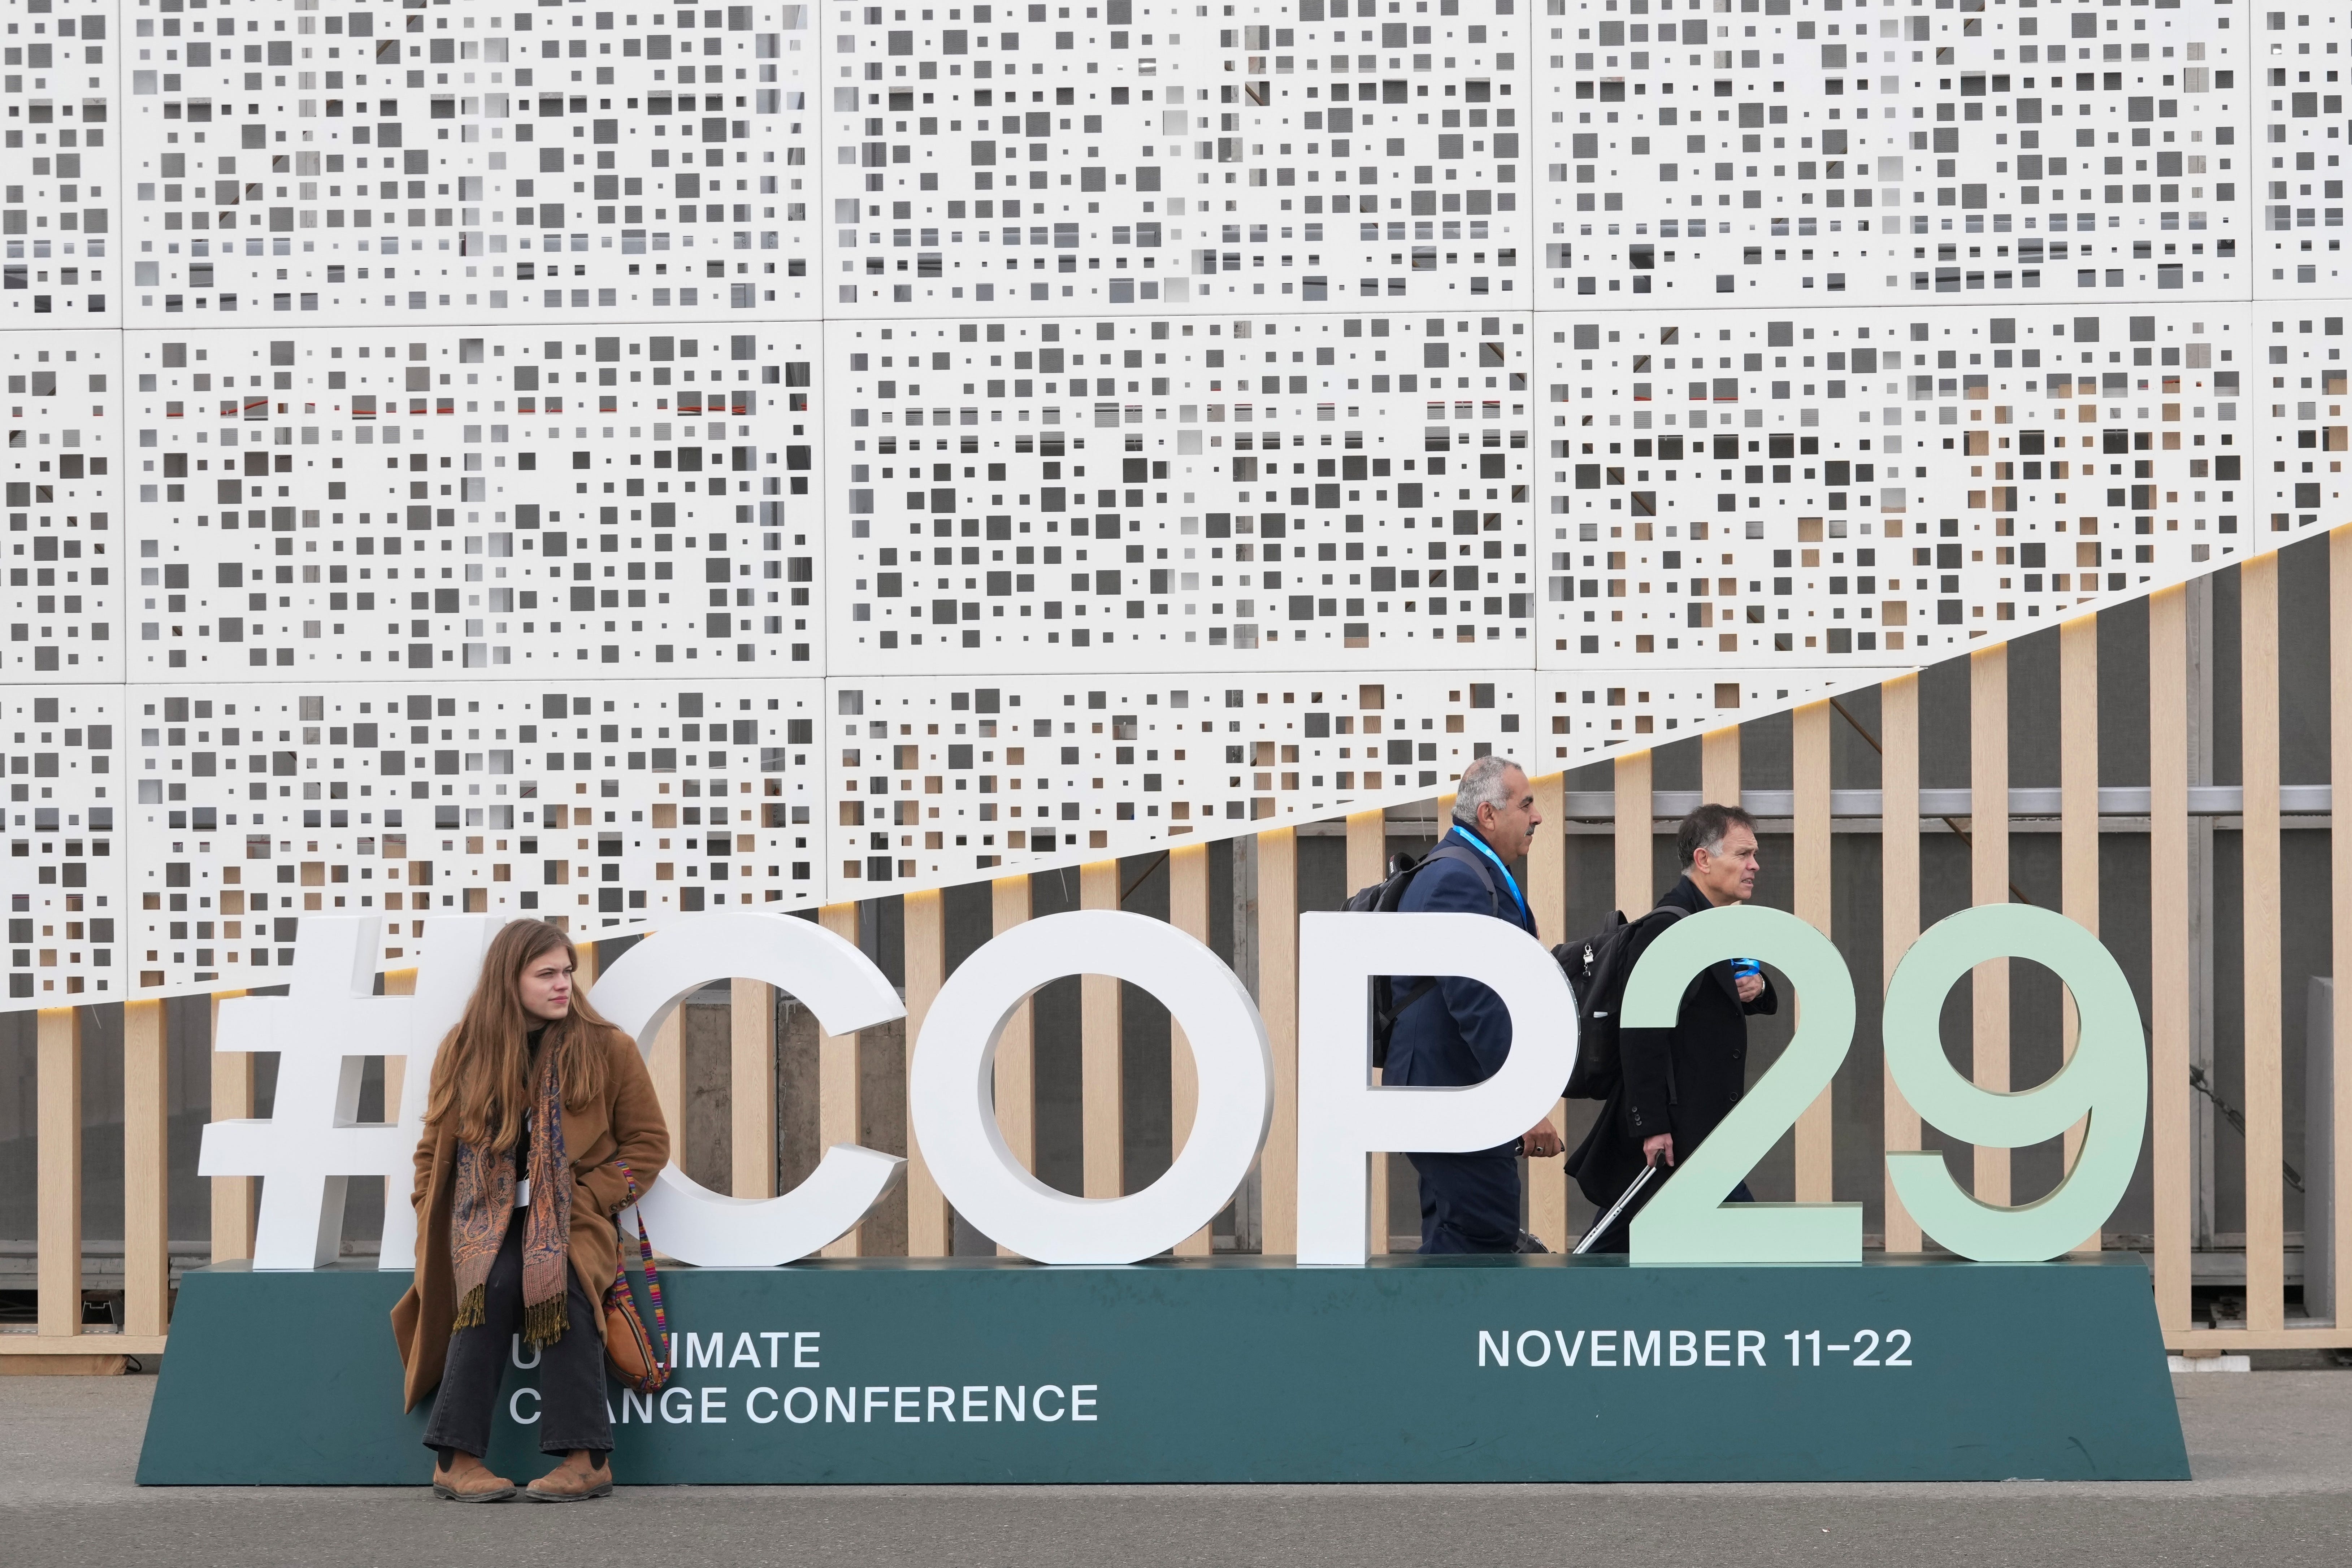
point(1482, 784)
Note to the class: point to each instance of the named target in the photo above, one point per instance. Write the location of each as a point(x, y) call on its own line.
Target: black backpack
point(1383, 898)
point(1598, 968)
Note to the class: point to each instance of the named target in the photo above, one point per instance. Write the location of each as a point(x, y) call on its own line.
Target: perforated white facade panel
point(599, 464)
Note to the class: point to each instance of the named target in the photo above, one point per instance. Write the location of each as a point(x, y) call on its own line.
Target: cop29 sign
point(311, 1147)
point(1784, 1355)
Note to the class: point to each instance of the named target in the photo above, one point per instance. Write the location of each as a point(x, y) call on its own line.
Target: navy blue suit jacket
point(1460, 1032)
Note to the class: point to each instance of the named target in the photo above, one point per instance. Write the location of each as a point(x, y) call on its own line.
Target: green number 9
point(2106, 1080)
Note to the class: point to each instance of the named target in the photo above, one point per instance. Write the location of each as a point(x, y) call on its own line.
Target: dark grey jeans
point(571, 1409)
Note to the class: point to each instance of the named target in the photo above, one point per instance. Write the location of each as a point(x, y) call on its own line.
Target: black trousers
point(571, 1409)
point(1469, 1203)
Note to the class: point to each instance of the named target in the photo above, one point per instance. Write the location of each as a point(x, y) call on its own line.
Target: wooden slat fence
point(1811, 811)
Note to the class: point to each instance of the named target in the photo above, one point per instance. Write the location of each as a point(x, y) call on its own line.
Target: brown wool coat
point(624, 1123)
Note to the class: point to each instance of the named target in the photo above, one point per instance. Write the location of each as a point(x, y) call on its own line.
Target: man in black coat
point(1678, 1084)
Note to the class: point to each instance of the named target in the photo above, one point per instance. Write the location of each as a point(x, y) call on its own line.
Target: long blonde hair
point(482, 1076)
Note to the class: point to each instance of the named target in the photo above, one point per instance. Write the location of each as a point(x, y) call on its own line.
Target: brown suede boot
point(583, 1474)
point(468, 1480)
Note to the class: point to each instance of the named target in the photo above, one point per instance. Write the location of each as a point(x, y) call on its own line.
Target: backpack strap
point(1460, 855)
point(1476, 862)
point(1428, 984)
point(1672, 913)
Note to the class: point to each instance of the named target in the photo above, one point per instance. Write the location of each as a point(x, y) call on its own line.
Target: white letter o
point(951, 1088)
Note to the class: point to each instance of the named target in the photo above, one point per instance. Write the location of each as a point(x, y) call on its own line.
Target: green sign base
point(1425, 1369)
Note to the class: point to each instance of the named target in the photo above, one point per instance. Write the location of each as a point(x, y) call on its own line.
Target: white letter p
point(1344, 1119)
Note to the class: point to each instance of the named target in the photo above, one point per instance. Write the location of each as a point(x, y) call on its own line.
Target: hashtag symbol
point(308, 1150)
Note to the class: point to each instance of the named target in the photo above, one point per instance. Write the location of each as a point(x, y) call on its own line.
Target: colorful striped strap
point(653, 1274)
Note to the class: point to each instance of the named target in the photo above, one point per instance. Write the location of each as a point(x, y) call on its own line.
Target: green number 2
point(1688, 1222)
point(2106, 1080)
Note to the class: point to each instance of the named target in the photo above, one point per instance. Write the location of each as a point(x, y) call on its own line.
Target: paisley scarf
point(485, 1204)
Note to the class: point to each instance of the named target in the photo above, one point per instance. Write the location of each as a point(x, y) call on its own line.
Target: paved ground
point(2271, 1453)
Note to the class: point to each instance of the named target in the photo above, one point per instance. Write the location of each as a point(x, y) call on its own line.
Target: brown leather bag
point(637, 1357)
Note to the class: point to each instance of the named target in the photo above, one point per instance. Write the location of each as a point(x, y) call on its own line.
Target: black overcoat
point(1683, 1080)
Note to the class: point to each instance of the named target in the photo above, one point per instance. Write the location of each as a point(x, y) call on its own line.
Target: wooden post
point(1277, 989)
point(2339, 745)
point(146, 1170)
point(1718, 766)
point(1188, 911)
point(396, 983)
point(1017, 1090)
point(1634, 816)
point(1548, 901)
point(58, 1169)
point(1898, 722)
point(236, 1208)
point(665, 1061)
point(1988, 868)
point(752, 1086)
point(2168, 903)
point(930, 1233)
point(836, 1074)
point(1102, 1082)
point(1368, 844)
point(2078, 820)
point(2258, 707)
point(1809, 759)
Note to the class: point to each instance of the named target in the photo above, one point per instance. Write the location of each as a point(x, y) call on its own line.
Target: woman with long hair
point(541, 1116)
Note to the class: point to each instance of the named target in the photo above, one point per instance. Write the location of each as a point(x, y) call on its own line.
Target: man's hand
point(1750, 988)
point(1662, 1146)
point(1541, 1141)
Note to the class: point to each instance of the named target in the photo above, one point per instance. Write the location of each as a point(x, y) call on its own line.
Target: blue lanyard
point(1508, 880)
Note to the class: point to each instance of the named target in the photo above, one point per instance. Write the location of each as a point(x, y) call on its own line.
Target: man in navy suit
point(1459, 1032)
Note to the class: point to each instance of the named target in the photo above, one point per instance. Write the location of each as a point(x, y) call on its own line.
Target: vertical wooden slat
point(396, 983)
point(1548, 901)
point(235, 1206)
point(929, 1231)
point(1718, 766)
point(2078, 809)
point(2339, 771)
point(1277, 990)
point(1367, 847)
point(146, 1164)
point(1368, 844)
point(1188, 911)
point(2167, 900)
point(1809, 775)
point(2258, 700)
point(752, 1086)
point(1016, 1092)
point(665, 1065)
point(1898, 773)
point(58, 1169)
point(1546, 888)
point(1016, 1049)
point(1102, 1073)
point(665, 1061)
point(837, 1098)
point(1635, 895)
point(1988, 884)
